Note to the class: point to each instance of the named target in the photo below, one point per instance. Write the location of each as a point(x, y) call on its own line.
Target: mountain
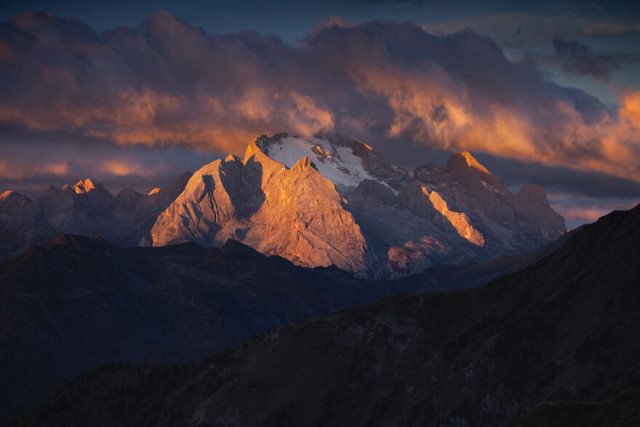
point(86, 208)
point(79, 302)
point(562, 330)
point(328, 200)
point(332, 200)
point(295, 213)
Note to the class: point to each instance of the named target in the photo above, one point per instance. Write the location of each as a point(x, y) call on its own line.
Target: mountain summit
point(294, 212)
point(334, 200)
point(87, 208)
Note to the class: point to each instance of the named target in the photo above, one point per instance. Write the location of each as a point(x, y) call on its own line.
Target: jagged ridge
point(355, 210)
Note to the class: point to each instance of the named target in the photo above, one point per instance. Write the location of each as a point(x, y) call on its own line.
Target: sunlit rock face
point(460, 221)
point(334, 200)
point(84, 186)
point(292, 212)
point(509, 223)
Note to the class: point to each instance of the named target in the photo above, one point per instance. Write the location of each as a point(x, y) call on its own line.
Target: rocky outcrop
point(508, 223)
point(534, 213)
point(458, 220)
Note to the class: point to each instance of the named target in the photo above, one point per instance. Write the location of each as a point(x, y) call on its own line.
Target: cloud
point(518, 30)
point(578, 210)
point(169, 84)
point(30, 168)
point(578, 58)
point(12, 170)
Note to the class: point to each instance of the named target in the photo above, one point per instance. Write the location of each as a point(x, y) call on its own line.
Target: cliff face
point(295, 213)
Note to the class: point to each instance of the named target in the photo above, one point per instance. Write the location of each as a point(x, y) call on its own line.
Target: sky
point(134, 93)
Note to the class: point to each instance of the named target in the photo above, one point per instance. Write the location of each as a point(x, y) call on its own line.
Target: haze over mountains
point(86, 209)
point(321, 201)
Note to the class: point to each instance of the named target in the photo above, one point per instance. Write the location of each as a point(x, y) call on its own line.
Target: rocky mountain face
point(80, 302)
point(85, 209)
point(292, 212)
point(321, 201)
point(334, 200)
point(562, 330)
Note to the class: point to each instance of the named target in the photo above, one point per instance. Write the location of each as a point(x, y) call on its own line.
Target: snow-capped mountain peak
point(338, 163)
point(333, 200)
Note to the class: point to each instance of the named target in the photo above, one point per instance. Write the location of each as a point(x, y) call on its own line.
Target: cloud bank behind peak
point(166, 83)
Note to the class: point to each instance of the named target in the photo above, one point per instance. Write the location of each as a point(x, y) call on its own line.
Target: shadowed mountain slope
point(79, 302)
point(563, 329)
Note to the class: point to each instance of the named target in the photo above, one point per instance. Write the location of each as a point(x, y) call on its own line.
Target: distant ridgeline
point(321, 201)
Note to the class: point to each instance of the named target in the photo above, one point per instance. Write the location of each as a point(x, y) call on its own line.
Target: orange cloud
point(630, 110)
point(432, 109)
point(16, 169)
point(166, 83)
point(122, 168)
point(307, 118)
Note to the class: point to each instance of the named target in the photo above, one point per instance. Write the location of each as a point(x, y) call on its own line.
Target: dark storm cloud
point(167, 83)
point(578, 58)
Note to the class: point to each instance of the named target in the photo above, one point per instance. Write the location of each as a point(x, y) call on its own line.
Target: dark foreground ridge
point(564, 329)
point(78, 303)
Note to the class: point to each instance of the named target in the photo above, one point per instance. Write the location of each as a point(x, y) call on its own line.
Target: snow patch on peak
point(335, 162)
point(84, 186)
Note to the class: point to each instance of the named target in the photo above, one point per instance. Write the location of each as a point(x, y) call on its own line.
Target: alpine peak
point(316, 201)
point(331, 199)
point(252, 149)
point(7, 194)
point(304, 163)
point(465, 160)
point(473, 163)
point(343, 161)
point(84, 186)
